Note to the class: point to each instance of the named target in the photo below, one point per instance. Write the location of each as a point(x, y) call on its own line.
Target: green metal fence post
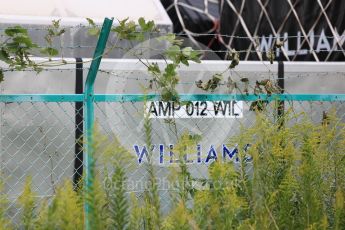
point(89, 119)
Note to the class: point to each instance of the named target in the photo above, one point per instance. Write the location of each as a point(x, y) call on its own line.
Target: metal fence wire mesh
point(38, 139)
point(312, 29)
point(43, 138)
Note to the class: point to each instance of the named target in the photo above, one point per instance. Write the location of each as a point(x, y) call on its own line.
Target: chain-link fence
point(43, 135)
point(37, 140)
point(40, 138)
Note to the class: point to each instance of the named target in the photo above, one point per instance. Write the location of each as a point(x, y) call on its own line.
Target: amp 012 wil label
point(195, 109)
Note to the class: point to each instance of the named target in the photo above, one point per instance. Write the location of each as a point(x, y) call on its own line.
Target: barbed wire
point(194, 34)
point(122, 73)
point(80, 46)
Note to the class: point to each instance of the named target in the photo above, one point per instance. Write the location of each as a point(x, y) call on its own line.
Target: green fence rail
point(156, 97)
point(89, 115)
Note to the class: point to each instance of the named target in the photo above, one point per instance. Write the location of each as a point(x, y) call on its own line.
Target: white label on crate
point(195, 109)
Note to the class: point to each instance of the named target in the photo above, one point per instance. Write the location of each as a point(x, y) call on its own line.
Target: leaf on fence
point(16, 30)
point(94, 30)
point(50, 51)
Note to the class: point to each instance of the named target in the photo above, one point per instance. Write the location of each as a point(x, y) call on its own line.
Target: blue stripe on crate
point(155, 97)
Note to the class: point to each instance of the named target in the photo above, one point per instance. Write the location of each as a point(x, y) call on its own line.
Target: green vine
point(16, 51)
point(53, 31)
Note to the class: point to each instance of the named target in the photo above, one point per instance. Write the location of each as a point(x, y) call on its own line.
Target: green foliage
point(4, 223)
point(16, 49)
point(131, 31)
point(27, 202)
point(126, 29)
point(117, 207)
point(64, 212)
point(290, 174)
point(135, 218)
point(179, 218)
point(98, 201)
point(296, 182)
point(53, 31)
point(171, 38)
point(166, 80)
point(211, 84)
point(180, 177)
point(50, 51)
point(93, 30)
point(146, 26)
point(220, 203)
point(178, 55)
point(270, 56)
point(234, 56)
point(117, 159)
point(151, 204)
